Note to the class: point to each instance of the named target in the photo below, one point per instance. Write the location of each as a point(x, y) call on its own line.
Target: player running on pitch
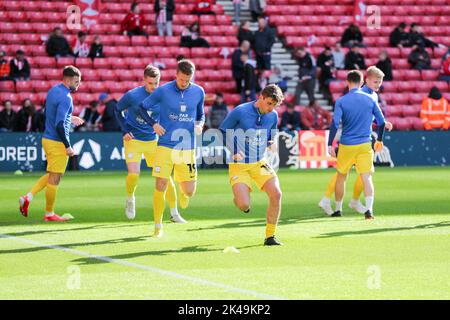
point(356, 110)
point(249, 129)
point(374, 81)
point(176, 113)
point(55, 141)
point(140, 139)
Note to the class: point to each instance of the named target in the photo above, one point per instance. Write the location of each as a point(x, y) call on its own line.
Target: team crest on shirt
point(182, 108)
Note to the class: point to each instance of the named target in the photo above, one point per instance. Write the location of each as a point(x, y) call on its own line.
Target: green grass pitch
point(403, 254)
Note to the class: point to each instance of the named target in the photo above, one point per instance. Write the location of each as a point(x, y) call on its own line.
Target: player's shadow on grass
point(381, 230)
point(189, 249)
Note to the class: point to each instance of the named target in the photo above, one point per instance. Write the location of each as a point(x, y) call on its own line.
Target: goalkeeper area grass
point(403, 254)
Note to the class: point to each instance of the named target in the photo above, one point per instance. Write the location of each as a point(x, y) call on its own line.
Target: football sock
point(184, 199)
point(131, 183)
point(40, 184)
point(331, 186)
point(171, 195)
point(270, 230)
point(369, 203)
point(50, 197)
point(358, 188)
point(339, 206)
point(159, 204)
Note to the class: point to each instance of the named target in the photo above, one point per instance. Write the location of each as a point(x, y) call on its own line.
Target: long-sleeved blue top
point(249, 132)
point(133, 121)
point(58, 114)
point(356, 110)
point(177, 111)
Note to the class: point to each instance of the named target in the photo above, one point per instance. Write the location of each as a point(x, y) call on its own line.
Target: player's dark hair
point(354, 76)
point(71, 71)
point(151, 71)
point(273, 91)
point(186, 67)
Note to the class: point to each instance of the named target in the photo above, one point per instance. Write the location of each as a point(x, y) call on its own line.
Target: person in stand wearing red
point(315, 117)
point(134, 22)
point(204, 7)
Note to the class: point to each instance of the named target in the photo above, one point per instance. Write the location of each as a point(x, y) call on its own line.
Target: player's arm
point(200, 119)
point(334, 127)
point(121, 106)
point(272, 134)
point(381, 124)
point(61, 116)
point(227, 129)
point(149, 111)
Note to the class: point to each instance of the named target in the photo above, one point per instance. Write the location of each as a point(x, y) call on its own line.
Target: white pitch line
point(144, 267)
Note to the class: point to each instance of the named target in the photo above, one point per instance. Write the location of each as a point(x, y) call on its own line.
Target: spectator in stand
point(419, 58)
point(7, 118)
point(219, 111)
point(255, 9)
point(399, 37)
point(277, 77)
point(385, 64)
point(352, 36)
point(290, 119)
point(5, 68)
point(39, 119)
point(326, 71)
point(445, 68)
point(26, 117)
point(354, 59)
point(19, 67)
point(306, 75)
point(435, 112)
point(264, 40)
point(248, 92)
point(164, 10)
point(134, 22)
point(339, 56)
point(96, 50)
point(236, 64)
point(244, 33)
point(416, 37)
point(190, 37)
point(108, 119)
point(57, 45)
point(80, 47)
point(204, 7)
point(237, 11)
point(315, 117)
point(91, 118)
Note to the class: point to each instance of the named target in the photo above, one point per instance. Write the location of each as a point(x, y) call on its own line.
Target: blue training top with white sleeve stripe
point(177, 111)
point(356, 110)
point(58, 114)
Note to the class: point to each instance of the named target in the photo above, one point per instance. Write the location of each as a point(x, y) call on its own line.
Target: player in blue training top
point(249, 130)
point(139, 139)
point(356, 110)
point(176, 113)
point(55, 141)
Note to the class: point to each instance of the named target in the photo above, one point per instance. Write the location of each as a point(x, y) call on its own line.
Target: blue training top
point(58, 114)
point(249, 132)
point(356, 110)
point(133, 122)
point(177, 111)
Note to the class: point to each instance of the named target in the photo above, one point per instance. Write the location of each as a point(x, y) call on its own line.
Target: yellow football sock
point(358, 188)
point(171, 194)
point(131, 183)
point(159, 204)
point(184, 199)
point(50, 197)
point(270, 230)
point(40, 184)
point(331, 186)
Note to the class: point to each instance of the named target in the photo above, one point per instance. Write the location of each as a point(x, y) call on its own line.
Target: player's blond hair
point(374, 71)
point(152, 72)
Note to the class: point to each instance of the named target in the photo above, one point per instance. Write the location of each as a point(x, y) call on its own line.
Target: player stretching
point(55, 141)
point(374, 81)
point(140, 139)
point(249, 130)
point(175, 111)
point(356, 110)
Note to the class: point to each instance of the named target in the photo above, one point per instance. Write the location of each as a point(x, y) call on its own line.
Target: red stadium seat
point(411, 111)
point(7, 86)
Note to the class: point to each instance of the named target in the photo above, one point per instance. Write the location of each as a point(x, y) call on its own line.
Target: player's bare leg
point(241, 193)
point(339, 193)
point(369, 192)
point(273, 191)
point(134, 170)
